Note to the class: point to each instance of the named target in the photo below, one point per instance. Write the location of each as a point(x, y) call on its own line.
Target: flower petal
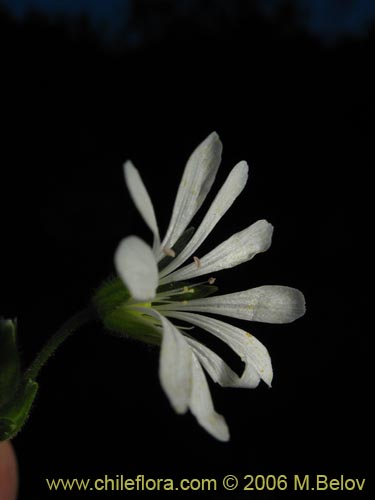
point(175, 362)
point(239, 248)
point(141, 200)
point(136, 265)
point(268, 304)
point(175, 367)
point(220, 372)
point(232, 187)
point(202, 407)
point(197, 179)
point(252, 352)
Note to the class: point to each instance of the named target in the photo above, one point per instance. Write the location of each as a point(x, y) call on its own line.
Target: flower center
point(125, 316)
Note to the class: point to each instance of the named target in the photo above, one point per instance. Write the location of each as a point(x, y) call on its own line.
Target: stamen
point(197, 262)
point(169, 251)
point(166, 296)
point(160, 297)
point(184, 327)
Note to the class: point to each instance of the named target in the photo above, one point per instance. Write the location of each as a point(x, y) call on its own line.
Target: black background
point(302, 114)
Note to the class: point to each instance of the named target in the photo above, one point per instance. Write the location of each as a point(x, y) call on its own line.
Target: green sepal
point(10, 373)
point(125, 322)
point(15, 413)
point(111, 294)
point(111, 301)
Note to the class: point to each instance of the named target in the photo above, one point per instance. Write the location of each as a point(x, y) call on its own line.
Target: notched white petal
point(141, 199)
point(202, 407)
point(220, 372)
point(268, 304)
point(175, 367)
point(237, 249)
point(136, 265)
point(279, 304)
point(197, 179)
point(184, 382)
point(252, 352)
point(231, 188)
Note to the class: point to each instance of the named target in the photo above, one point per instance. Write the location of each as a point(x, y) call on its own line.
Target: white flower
point(159, 292)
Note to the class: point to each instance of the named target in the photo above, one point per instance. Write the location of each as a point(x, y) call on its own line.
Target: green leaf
point(15, 413)
point(9, 361)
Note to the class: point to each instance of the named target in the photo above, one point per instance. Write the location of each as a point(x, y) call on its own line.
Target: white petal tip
point(280, 304)
point(214, 136)
point(179, 409)
point(223, 436)
point(216, 425)
point(128, 166)
point(262, 231)
point(243, 165)
point(297, 303)
point(213, 144)
point(268, 380)
point(222, 432)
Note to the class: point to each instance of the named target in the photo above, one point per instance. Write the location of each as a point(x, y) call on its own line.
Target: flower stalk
point(65, 331)
point(18, 391)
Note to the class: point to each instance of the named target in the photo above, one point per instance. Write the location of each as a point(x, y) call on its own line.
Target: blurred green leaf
point(9, 360)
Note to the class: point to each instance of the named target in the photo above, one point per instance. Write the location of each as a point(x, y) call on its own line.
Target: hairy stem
point(67, 329)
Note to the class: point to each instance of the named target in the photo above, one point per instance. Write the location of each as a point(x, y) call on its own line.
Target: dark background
point(301, 112)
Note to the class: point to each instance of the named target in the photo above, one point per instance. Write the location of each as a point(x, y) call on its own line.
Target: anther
point(197, 262)
point(169, 251)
